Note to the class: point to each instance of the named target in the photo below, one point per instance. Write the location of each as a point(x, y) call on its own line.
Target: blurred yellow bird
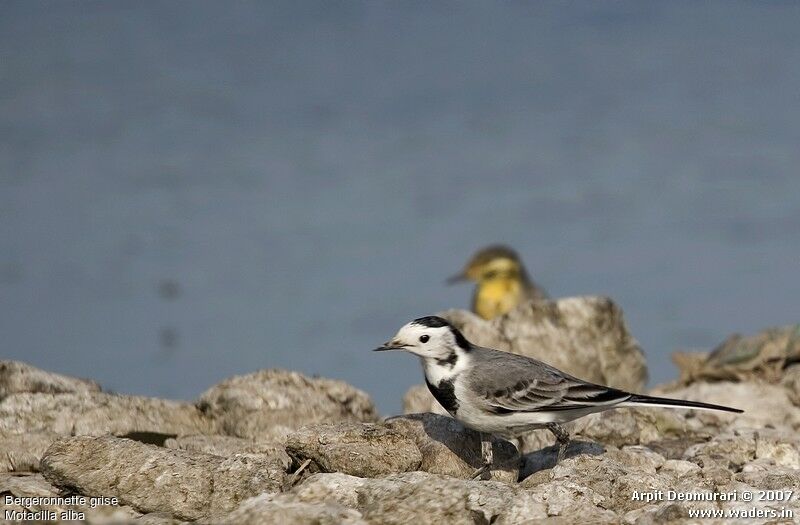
point(502, 281)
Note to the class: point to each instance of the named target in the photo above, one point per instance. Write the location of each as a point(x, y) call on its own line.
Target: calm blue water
point(192, 190)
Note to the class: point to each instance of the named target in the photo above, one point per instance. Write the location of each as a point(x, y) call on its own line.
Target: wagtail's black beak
point(388, 345)
point(457, 278)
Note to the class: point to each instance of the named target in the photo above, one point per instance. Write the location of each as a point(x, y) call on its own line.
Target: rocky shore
point(275, 446)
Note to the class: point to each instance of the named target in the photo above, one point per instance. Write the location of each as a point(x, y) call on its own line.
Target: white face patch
point(442, 357)
point(425, 341)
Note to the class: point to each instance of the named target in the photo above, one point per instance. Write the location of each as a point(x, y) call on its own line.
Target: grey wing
point(507, 383)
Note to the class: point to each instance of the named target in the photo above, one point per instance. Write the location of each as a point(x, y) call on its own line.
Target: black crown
point(432, 321)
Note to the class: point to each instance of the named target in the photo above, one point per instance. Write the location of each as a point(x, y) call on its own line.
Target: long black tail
point(642, 400)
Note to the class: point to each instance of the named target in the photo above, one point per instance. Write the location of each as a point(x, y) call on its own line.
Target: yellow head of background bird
point(502, 281)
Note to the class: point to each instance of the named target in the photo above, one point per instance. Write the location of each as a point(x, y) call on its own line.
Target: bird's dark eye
point(424, 338)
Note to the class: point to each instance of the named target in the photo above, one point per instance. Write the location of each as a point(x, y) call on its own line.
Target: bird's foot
point(478, 474)
point(562, 440)
point(562, 450)
point(486, 455)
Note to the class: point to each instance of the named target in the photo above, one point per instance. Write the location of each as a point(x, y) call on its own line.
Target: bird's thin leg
point(486, 454)
point(562, 439)
point(486, 450)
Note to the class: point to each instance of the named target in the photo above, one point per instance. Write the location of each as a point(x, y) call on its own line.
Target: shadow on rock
point(449, 448)
point(546, 458)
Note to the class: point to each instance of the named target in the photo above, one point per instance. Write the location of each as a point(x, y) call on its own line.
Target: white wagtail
point(505, 394)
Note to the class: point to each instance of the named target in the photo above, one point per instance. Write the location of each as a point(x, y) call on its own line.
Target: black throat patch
point(445, 394)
